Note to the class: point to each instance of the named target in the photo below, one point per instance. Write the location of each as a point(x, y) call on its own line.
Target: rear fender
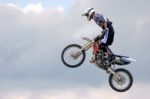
point(124, 60)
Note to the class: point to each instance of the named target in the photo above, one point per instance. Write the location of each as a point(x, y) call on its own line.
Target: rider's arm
point(101, 20)
point(105, 25)
point(105, 29)
point(104, 22)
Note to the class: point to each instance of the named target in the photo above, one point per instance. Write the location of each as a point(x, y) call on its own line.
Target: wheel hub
point(121, 80)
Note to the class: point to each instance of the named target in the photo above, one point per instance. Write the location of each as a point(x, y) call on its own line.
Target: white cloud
point(12, 5)
point(61, 8)
point(37, 8)
point(139, 90)
point(31, 45)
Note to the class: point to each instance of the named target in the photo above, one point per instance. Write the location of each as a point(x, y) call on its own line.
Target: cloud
point(80, 92)
point(31, 43)
point(33, 7)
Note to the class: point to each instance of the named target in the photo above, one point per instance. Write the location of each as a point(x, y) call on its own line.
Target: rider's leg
point(104, 48)
point(108, 40)
point(95, 51)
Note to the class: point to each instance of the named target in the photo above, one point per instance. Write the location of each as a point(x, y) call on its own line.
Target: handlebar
point(95, 39)
point(87, 39)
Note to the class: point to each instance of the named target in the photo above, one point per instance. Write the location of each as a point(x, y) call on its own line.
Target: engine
point(99, 61)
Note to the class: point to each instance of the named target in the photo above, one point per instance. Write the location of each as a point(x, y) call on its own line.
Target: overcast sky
point(33, 34)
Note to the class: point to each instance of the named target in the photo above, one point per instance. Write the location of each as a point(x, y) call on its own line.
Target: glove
point(97, 38)
point(104, 31)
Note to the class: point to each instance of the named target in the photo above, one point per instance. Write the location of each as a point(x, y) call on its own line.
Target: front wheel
point(123, 83)
point(72, 56)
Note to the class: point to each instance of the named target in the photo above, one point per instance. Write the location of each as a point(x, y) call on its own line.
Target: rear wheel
point(123, 83)
point(72, 56)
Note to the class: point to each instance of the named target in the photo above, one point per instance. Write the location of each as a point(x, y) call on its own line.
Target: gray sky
point(33, 36)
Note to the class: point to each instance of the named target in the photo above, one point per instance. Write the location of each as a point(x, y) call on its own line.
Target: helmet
point(88, 12)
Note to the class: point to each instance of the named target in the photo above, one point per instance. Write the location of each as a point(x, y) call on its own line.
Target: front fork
point(87, 46)
point(116, 76)
point(84, 49)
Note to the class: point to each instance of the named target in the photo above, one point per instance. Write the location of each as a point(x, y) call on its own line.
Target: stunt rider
point(108, 31)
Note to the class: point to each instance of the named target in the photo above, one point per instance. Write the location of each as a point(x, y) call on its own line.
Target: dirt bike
point(120, 79)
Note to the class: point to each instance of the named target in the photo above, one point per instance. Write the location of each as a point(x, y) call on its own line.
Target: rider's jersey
point(108, 35)
point(99, 18)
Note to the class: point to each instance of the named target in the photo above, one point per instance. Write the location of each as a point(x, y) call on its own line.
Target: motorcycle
point(120, 79)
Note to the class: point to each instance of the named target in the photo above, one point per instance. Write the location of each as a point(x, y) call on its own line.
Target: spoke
point(70, 56)
point(123, 82)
